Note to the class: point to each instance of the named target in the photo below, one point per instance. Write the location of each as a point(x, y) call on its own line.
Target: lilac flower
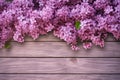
point(87, 45)
point(74, 21)
point(63, 13)
point(101, 4)
point(87, 29)
point(46, 13)
point(83, 11)
point(108, 9)
point(66, 32)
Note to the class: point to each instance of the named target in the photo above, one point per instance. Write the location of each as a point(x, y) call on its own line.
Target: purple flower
point(94, 20)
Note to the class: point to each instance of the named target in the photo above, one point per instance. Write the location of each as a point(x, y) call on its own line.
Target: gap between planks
point(57, 77)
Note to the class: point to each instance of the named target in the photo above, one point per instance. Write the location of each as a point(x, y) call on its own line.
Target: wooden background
point(49, 58)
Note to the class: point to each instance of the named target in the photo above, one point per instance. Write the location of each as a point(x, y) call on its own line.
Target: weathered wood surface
point(59, 65)
point(59, 49)
point(57, 77)
point(50, 38)
point(49, 58)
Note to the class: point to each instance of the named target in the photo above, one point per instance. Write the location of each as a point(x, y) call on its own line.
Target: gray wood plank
point(57, 77)
point(59, 65)
point(59, 49)
point(50, 37)
point(47, 38)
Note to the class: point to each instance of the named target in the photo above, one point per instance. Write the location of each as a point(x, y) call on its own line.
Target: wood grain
point(59, 65)
point(49, 58)
point(59, 49)
point(50, 38)
point(57, 77)
point(47, 38)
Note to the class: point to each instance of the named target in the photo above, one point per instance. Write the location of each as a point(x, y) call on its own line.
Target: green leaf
point(77, 25)
point(7, 45)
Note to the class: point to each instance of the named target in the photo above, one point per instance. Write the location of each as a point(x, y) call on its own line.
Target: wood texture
point(59, 65)
point(50, 38)
point(49, 58)
point(47, 38)
point(59, 49)
point(57, 77)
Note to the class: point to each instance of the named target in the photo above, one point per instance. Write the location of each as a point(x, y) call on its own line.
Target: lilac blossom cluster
point(97, 18)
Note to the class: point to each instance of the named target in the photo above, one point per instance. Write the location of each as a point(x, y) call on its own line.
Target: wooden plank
point(59, 49)
point(59, 65)
point(44, 38)
point(50, 38)
point(57, 77)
